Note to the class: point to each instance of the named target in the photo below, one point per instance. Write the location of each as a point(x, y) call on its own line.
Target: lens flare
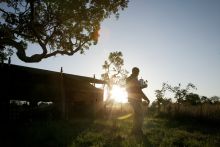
point(119, 94)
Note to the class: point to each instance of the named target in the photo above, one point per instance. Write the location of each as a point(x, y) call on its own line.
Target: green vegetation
point(58, 27)
point(190, 121)
point(102, 132)
point(188, 105)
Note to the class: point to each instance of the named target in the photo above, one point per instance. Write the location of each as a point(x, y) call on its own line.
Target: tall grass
point(158, 132)
point(112, 132)
point(206, 111)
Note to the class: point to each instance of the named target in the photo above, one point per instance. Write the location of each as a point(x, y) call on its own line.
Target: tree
point(161, 100)
point(4, 54)
point(58, 27)
point(205, 99)
point(193, 99)
point(114, 73)
point(160, 97)
point(215, 99)
point(179, 92)
point(154, 106)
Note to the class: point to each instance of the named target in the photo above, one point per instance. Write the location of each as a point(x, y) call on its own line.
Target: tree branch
point(51, 36)
point(21, 34)
point(4, 11)
point(63, 52)
point(21, 51)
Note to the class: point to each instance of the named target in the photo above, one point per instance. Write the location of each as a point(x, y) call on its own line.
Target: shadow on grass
point(108, 133)
point(193, 124)
point(145, 141)
point(167, 131)
point(43, 133)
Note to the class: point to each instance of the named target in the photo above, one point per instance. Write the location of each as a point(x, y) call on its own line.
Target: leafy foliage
point(114, 73)
point(59, 27)
point(161, 99)
point(215, 99)
point(188, 104)
point(179, 92)
point(5, 53)
point(193, 98)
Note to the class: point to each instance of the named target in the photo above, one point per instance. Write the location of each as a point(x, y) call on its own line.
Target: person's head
point(135, 71)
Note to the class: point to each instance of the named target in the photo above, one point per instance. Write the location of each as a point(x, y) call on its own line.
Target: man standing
point(135, 95)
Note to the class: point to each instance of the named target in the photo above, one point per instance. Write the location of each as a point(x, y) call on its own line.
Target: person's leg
point(133, 105)
point(138, 117)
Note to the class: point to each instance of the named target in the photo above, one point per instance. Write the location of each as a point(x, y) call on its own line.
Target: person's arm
point(145, 97)
point(142, 93)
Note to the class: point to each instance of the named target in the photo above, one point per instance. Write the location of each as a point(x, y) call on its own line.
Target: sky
point(173, 41)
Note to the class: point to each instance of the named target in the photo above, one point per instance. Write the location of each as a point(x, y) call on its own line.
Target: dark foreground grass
point(84, 132)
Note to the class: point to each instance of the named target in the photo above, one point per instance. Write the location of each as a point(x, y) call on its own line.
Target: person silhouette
point(135, 95)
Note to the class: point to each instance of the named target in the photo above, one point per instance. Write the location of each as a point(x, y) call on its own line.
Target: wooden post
point(5, 93)
point(9, 61)
point(121, 107)
point(94, 79)
point(2, 60)
point(62, 96)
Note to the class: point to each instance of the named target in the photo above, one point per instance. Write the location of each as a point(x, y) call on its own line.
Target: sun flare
point(119, 94)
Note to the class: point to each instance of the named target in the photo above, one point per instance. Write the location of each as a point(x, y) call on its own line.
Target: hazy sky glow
point(174, 41)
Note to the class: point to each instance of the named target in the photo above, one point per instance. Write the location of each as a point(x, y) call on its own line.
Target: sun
point(119, 94)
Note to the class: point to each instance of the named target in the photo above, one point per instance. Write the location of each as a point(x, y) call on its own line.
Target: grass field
point(115, 133)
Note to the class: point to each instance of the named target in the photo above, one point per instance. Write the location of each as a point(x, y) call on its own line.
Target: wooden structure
point(69, 92)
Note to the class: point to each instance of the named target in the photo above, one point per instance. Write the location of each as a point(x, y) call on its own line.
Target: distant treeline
point(187, 104)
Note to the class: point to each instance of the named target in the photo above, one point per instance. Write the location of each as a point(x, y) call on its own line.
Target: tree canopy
point(179, 92)
point(58, 27)
point(114, 72)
